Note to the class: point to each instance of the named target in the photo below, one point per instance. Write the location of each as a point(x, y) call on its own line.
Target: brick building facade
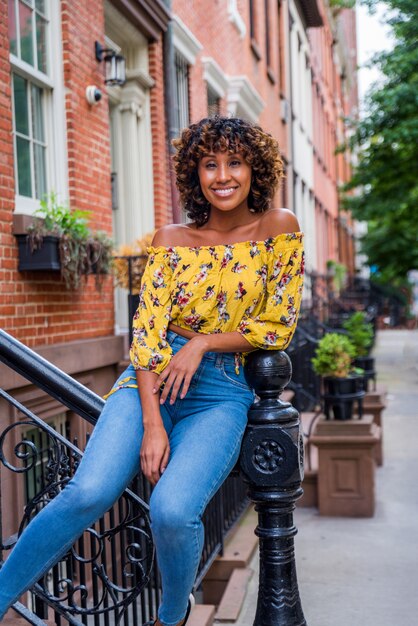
point(287, 64)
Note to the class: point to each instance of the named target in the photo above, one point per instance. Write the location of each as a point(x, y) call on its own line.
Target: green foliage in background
point(333, 356)
point(385, 179)
point(360, 332)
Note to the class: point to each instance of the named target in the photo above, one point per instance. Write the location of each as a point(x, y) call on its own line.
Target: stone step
point(202, 615)
point(233, 597)
point(238, 550)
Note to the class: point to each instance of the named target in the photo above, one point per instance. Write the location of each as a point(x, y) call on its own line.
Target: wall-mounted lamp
point(115, 73)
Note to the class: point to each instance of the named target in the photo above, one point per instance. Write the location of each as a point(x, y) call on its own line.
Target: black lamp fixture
point(115, 73)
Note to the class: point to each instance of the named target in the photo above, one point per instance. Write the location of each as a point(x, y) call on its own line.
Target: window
point(37, 101)
point(214, 102)
point(267, 36)
point(253, 29)
point(280, 49)
point(182, 90)
point(29, 136)
point(28, 26)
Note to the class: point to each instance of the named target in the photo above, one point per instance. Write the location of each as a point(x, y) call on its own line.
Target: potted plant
point(59, 238)
point(360, 333)
point(333, 361)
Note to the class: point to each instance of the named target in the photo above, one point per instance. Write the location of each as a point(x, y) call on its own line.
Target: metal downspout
point(170, 104)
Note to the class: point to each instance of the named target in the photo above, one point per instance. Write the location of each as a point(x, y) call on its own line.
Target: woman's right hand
point(155, 451)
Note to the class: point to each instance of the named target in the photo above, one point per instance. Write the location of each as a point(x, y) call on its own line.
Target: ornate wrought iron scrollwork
point(122, 537)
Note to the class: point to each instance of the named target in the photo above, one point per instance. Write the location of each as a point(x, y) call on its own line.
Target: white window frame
point(53, 105)
point(214, 76)
point(243, 99)
point(185, 42)
point(235, 18)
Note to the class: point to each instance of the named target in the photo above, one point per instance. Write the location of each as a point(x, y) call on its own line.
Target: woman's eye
point(235, 163)
point(210, 165)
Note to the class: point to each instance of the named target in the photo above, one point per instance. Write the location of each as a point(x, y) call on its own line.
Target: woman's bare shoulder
point(277, 221)
point(172, 235)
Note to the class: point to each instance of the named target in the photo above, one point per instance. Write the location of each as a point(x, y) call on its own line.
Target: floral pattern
point(253, 287)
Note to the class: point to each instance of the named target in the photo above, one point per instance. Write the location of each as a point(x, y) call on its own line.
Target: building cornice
point(214, 76)
point(311, 13)
point(184, 41)
point(149, 16)
point(243, 96)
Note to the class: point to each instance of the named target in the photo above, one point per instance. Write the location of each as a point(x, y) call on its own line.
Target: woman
point(226, 283)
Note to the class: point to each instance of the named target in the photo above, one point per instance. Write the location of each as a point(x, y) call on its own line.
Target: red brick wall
point(161, 161)
point(35, 307)
point(331, 170)
point(7, 251)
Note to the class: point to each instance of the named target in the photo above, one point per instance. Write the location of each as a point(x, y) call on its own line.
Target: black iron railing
point(108, 576)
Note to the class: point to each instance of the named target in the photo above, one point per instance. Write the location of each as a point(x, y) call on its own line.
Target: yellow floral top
point(253, 287)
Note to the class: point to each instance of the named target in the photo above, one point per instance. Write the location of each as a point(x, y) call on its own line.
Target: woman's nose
point(223, 172)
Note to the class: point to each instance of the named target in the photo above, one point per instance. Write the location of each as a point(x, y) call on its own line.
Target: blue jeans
point(205, 431)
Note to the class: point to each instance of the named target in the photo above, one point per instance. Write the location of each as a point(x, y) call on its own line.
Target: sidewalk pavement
point(364, 571)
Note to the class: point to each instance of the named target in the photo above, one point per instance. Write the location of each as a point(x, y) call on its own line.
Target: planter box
point(346, 466)
point(44, 258)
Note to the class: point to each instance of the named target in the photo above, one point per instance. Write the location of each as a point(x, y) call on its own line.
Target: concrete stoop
point(225, 584)
point(202, 615)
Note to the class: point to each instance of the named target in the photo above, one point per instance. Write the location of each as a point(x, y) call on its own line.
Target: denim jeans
point(205, 431)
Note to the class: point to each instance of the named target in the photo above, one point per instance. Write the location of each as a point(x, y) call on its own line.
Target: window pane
point(41, 43)
point(40, 173)
point(40, 6)
point(182, 89)
point(26, 33)
point(12, 27)
point(37, 117)
point(23, 167)
point(214, 102)
point(21, 105)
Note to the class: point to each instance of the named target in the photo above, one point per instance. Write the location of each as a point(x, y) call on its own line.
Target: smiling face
point(225, 180)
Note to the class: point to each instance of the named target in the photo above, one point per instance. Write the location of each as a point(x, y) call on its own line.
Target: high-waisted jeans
point(205, 431)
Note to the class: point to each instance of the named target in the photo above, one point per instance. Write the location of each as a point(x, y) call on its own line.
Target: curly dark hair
point(213, 134)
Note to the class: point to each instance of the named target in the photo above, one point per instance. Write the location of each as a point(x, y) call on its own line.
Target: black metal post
point(272, 463)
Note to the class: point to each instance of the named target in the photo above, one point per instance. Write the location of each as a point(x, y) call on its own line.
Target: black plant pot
point(366, 363)
point(340, 395)
point(47, 257)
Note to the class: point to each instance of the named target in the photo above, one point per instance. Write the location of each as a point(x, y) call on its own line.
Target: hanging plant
point(81, 251)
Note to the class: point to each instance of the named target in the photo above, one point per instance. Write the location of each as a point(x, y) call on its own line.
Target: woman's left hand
point(179, 372)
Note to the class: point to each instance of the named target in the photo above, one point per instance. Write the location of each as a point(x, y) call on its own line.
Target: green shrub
point(333, 356)
point(360, 332)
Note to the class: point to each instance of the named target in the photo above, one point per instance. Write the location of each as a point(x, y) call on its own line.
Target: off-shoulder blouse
point(253, 287)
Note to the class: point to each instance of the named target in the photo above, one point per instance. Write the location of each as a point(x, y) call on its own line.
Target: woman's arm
point(155, 448)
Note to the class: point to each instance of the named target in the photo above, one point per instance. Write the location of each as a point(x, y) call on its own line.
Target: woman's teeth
point(224, 192)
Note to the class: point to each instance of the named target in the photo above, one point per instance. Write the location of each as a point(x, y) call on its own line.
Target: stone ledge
point(73, 357)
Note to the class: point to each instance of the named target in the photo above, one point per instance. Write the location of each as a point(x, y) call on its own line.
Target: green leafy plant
point(385, 141)
point(342, 4)
point(333, 356)
point(360, 332)
point(82, 251)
